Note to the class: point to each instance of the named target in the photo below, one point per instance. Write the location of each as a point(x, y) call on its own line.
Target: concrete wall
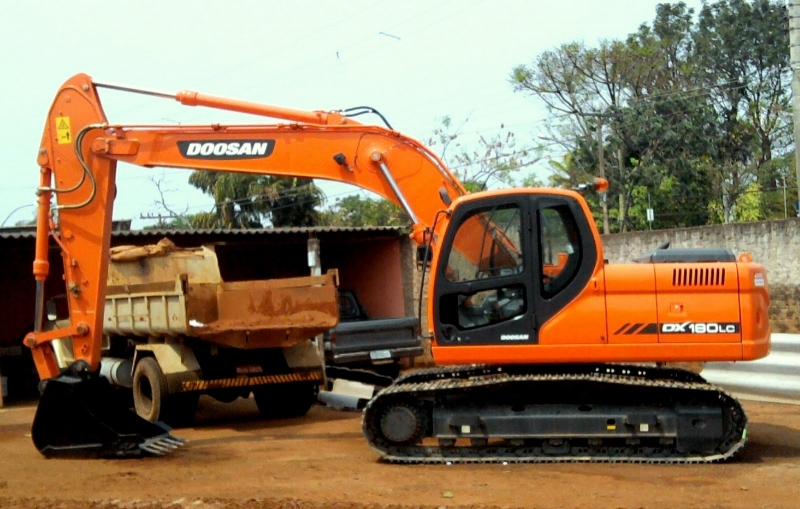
point(373, 270)
point(774, 244)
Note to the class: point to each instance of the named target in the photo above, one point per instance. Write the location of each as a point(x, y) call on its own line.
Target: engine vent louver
point(698, 277)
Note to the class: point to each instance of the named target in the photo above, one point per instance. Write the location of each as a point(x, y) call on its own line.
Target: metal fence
point(774, 378)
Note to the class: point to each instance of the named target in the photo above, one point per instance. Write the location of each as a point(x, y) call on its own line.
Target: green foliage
point(689, 114)
point(357, 211)
point(778, 181)
point(252, 201)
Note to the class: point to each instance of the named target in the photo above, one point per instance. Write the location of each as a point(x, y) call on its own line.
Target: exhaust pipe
point(117, 371)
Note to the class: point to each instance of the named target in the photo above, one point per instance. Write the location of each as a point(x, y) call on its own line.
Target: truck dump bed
point(167, 291)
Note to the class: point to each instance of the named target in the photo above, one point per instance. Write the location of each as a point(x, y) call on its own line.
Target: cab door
point(571, 305)
point(483, 294)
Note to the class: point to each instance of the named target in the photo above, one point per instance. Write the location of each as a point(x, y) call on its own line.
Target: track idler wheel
point(403, 424)
point(80, 416)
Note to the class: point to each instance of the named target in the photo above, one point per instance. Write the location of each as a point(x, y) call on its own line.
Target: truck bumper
point(378, 355)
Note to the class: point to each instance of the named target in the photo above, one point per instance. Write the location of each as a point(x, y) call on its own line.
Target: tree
point(687, 114)
point(743, 61)
point(580, 86)
point(357, 211)
point(172, 220)
point(252, 201)
point(492, 161)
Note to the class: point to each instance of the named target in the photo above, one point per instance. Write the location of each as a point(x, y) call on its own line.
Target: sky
point(413, 60)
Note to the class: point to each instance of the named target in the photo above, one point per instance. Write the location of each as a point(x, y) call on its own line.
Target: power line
point(365, 52)
point(289, 44)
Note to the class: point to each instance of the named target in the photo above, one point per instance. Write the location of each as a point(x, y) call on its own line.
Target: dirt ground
point(236, 460)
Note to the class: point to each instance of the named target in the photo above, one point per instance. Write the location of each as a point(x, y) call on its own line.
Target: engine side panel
point(698, 303)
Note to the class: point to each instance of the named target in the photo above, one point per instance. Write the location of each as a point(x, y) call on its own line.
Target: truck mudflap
point(79, 416)
point(554, 413)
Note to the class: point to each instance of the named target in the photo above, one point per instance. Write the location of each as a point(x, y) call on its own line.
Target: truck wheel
point(285, 400)
point(152, 400)
point(149, 389)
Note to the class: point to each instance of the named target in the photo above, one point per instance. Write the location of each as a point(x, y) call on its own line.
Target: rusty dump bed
point(167, 291)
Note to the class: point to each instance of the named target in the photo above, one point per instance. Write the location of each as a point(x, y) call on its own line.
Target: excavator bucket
point(81, 416)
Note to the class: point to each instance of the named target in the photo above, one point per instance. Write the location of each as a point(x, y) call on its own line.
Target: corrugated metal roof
point(261, 231)
point(17, 232)
point(23, 232)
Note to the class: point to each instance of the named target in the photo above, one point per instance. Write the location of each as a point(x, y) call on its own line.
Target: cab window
point(487, 244)
point(559, 248)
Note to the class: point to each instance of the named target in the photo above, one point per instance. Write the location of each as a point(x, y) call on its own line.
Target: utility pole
point(601, 168)
point(794, 62)
point(601, 165)
point(623, 206)
point(160, 217)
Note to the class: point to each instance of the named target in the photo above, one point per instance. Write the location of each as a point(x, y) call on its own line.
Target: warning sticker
point(63, 133)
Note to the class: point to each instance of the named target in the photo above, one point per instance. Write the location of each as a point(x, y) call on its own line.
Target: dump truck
point(175, 330)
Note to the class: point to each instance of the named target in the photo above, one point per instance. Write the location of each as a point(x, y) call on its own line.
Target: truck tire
point(149, 389)
point(285, 400)
point(152, 400)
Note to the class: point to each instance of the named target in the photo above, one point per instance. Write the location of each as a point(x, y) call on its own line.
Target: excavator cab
point(508, 264)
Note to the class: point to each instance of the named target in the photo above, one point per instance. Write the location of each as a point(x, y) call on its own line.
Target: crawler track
point(554, 413)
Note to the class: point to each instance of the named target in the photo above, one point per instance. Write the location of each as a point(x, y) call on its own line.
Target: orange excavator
point(544, 351)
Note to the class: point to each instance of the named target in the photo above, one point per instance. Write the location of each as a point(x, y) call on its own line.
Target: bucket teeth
point(161, 445)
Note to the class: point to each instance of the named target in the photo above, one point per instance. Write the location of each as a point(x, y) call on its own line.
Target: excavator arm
point(80, 150)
